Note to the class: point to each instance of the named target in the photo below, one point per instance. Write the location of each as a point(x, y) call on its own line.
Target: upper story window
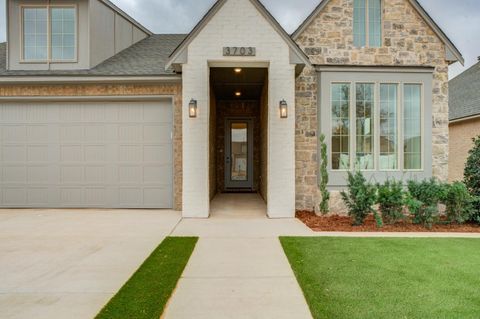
point(367, 23)
point(49, 33)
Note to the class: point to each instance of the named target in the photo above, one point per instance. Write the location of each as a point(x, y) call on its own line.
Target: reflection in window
point(239, 149)
point(388, 127)
point(63, 33)
point(35, 43)
point(340, 126)
point(364, 106)
point(359, 23)
point(412, 138)
point(367, 23)
point(44, 43)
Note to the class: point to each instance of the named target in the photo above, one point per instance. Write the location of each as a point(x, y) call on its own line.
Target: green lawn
point(146, 293)
point(387, 278)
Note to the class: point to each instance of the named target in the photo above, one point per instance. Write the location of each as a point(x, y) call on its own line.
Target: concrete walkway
point(238, 269)
point(69, 263)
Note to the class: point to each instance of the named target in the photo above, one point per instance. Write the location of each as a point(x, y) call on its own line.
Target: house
point(96, 111)
point(464, 118)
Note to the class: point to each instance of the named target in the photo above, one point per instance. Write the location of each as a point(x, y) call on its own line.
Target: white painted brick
point(238, 23)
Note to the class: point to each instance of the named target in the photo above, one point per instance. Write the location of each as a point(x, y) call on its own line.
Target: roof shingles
point(464, 94)
point(145, 58)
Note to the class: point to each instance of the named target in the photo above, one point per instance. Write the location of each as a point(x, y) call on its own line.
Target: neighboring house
point(96, 111)
point(464, 118)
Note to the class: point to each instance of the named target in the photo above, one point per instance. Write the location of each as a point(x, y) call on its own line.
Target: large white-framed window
point(367, 23)
point(370, 138)
point(49, 33)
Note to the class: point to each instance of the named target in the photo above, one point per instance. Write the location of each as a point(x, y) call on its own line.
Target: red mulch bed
point(344, 224)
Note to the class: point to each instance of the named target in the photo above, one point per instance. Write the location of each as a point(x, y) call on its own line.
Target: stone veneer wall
point(172, 89)
point(407, 41)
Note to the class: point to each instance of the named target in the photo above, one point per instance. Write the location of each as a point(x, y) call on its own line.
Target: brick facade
point(407, 41)
point(461, 135)
point(174, 90)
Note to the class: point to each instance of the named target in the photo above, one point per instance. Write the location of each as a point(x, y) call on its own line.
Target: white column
point(281, 143)
point(196, 201)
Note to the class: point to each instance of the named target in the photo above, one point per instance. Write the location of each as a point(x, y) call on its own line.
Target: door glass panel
point(239, 151)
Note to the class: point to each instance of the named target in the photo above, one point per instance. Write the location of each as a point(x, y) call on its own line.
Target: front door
point(238, 154)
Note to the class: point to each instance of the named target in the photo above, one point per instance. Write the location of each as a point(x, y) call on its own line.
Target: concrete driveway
point(69, 263)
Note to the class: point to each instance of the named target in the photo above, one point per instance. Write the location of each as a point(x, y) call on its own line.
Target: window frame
point(49, 59)
point(367, 25)
point(393, 74)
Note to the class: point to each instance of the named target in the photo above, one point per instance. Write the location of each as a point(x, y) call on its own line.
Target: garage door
point(111, 155)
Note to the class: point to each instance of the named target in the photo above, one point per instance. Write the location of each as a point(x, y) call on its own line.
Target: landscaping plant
point(472, 177)
point(391, 200)
point(423, 200)
point(325, 194)
point(459, 203)
point(360, 198)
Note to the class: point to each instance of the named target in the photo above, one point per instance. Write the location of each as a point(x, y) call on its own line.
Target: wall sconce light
point(283, 109)
point(192, 108)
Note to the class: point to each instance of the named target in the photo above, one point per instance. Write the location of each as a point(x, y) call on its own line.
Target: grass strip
point(387, 277)
point(146, 293)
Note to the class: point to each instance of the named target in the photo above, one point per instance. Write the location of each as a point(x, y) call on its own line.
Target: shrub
point(423, 200)
point(459, 203)
point(472, 177)
point(359, 198)
point(391, 200)
point(324, 176)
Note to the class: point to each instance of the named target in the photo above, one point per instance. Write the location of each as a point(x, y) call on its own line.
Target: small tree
point(324, 176)
point(472, 177)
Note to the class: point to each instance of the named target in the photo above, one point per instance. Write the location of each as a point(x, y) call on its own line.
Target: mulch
point(344, 224)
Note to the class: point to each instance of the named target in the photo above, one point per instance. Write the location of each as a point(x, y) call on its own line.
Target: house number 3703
point(239, 51)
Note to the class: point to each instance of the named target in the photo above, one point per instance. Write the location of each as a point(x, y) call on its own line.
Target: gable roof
point(464, 94)
point(453, 54)
point(214, 9)
point(145, 58)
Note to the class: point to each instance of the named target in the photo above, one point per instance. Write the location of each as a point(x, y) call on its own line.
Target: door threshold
point(240, 190)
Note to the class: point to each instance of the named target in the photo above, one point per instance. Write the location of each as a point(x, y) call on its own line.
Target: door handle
point(227, 159)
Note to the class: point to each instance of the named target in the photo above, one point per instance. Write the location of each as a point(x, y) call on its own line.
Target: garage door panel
point(109, 155)
point(14, 154)
point(14, 174)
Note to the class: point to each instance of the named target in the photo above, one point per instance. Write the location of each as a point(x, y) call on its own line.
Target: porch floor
point(233, 205)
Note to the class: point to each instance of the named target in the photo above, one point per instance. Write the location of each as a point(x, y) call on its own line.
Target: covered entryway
point(238, 34)
point(86, 154)
point(238, 130)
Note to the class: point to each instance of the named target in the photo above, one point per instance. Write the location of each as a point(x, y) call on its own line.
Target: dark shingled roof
point(145, 58)
point(464, 92)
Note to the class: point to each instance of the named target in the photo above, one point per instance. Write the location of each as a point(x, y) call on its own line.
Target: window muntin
point(49, 33)
point(412, 136)
point(63, 33)
point(367, 23)
point(340, 108)
point(378, 136)
point(364, 111)
point(388, 157)
point(35, 33)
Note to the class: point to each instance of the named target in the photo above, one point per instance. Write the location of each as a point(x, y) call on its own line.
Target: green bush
point(391, 200)
point(423, 200)
point(472, 177)
point(359, 198)
point(459, 203)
